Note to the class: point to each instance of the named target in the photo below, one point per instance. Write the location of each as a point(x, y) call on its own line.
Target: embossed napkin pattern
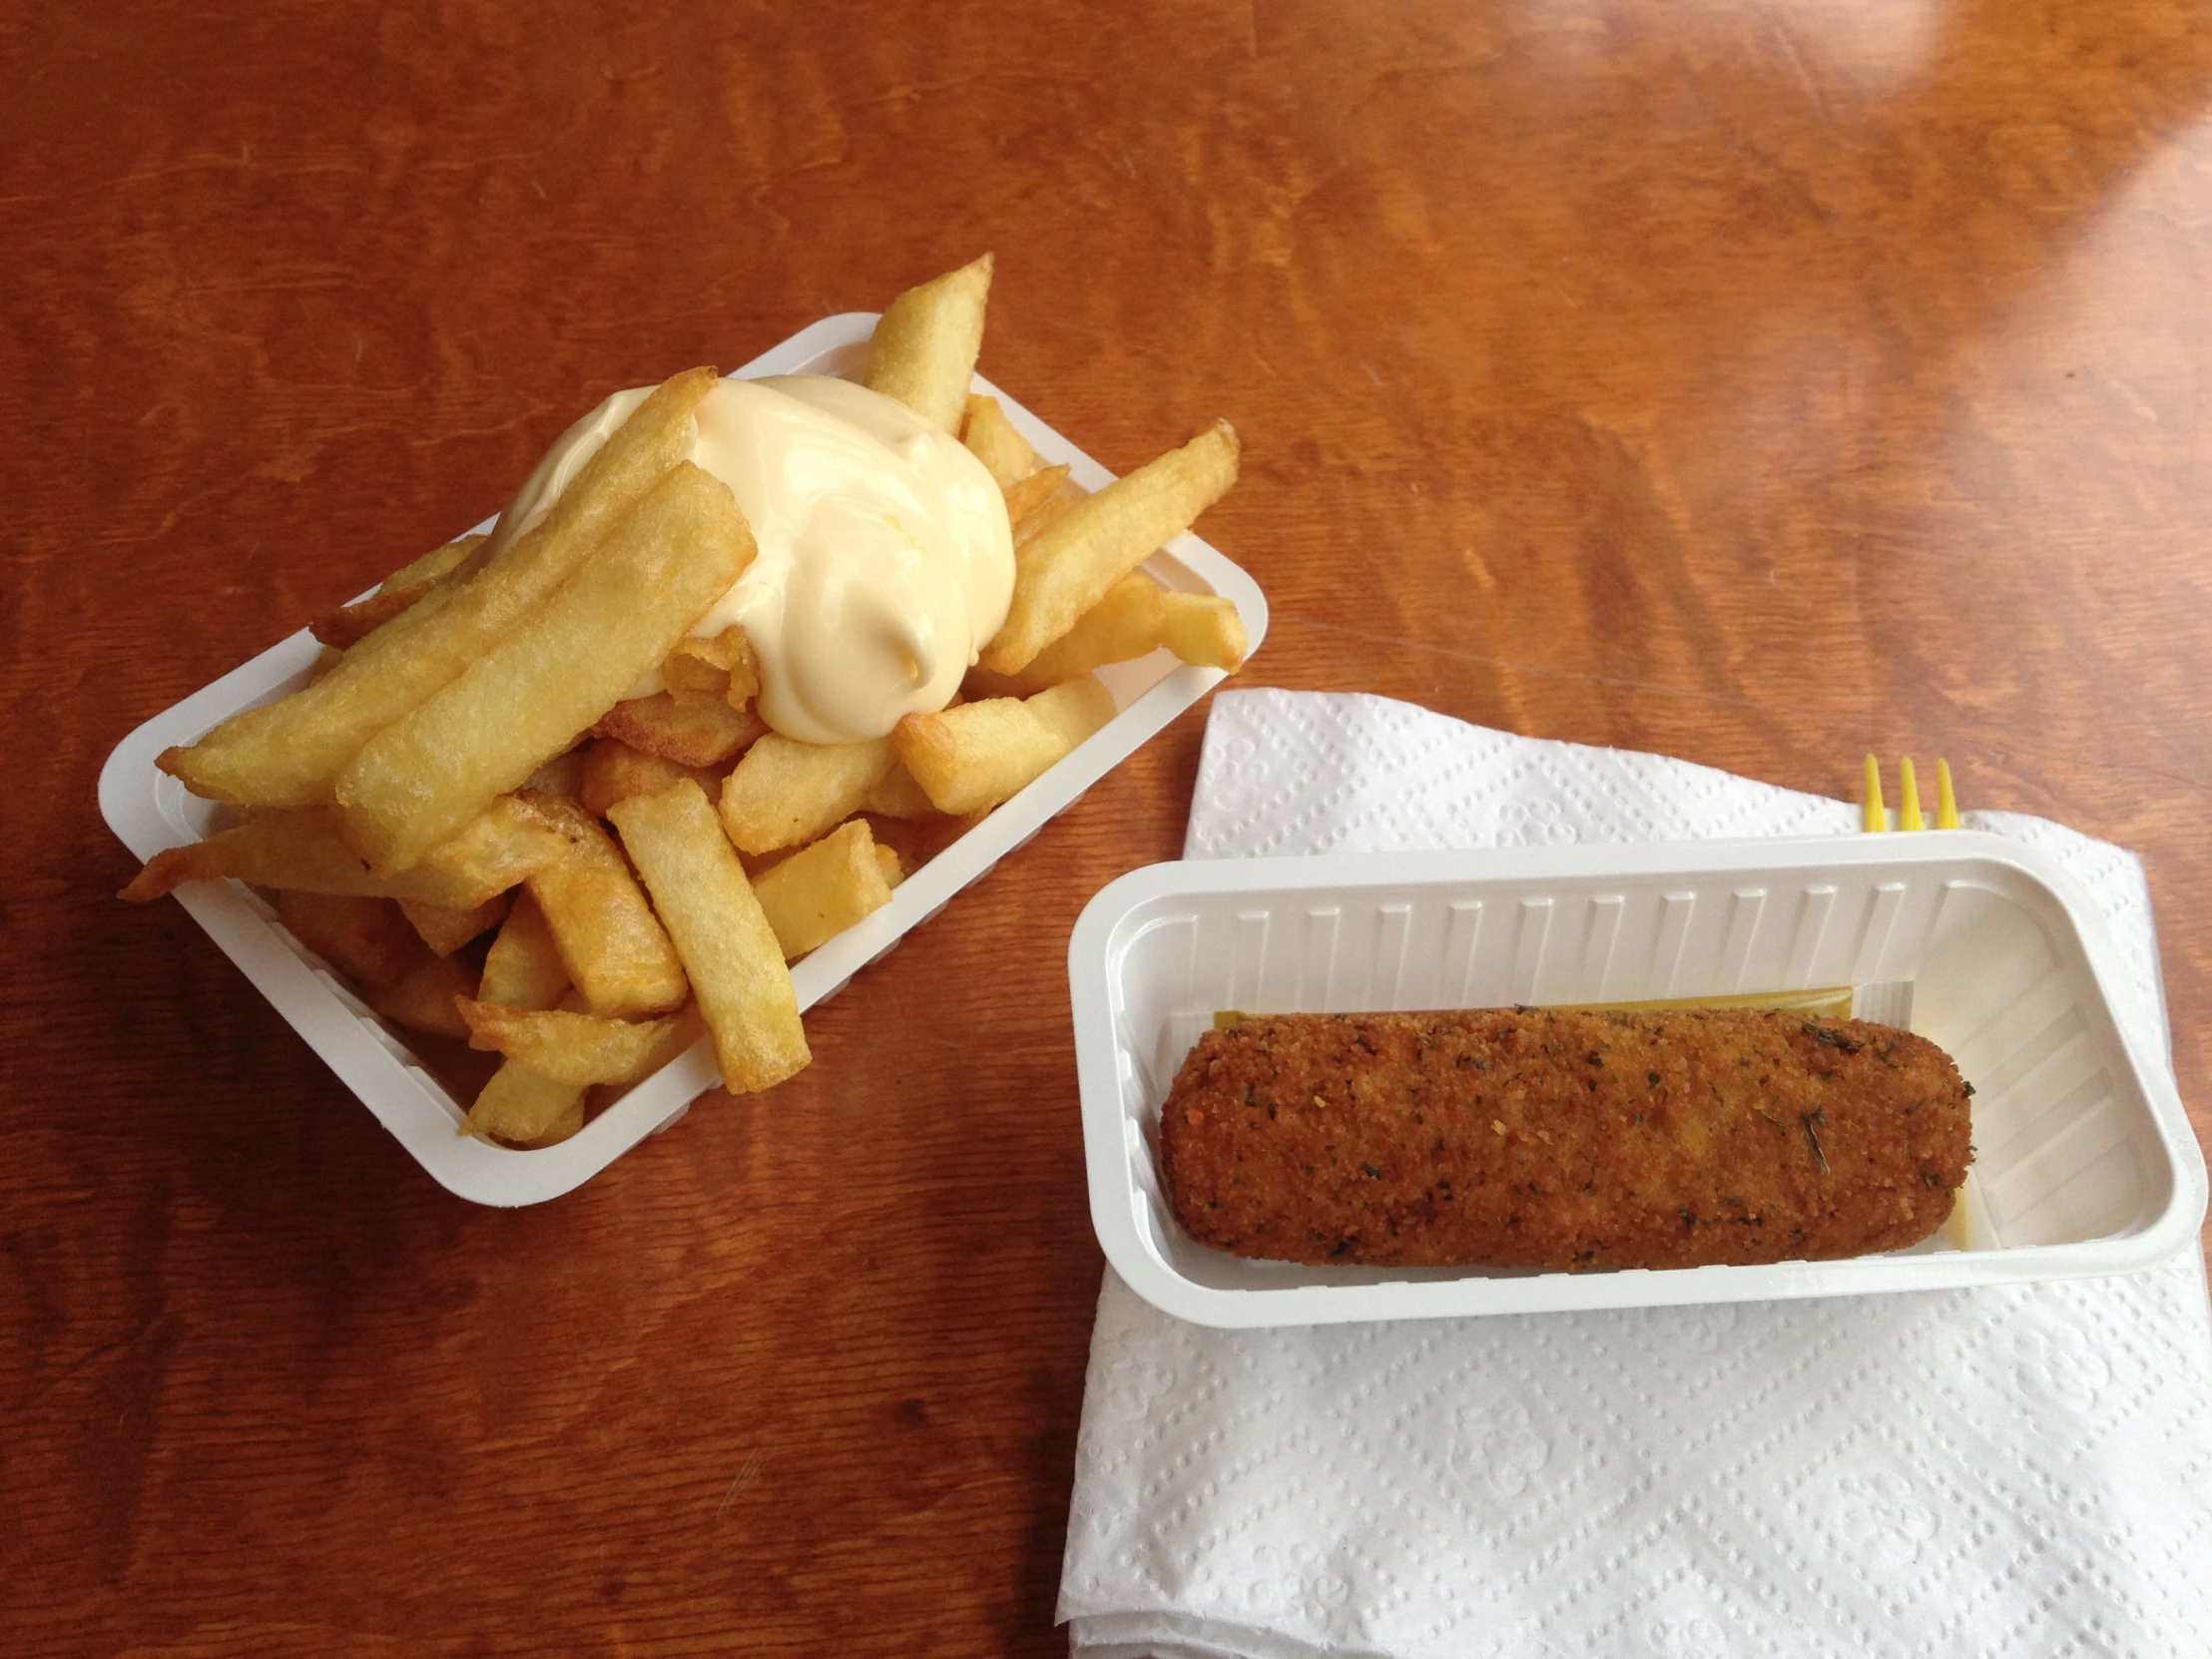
point(2011, 1471)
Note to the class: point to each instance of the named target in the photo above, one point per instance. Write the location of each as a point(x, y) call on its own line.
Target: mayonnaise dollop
point(884, 562)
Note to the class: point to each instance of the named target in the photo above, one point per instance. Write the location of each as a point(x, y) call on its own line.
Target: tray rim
point(1114, 1199)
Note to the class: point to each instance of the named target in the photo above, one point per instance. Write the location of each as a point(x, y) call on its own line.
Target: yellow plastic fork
point(1909, 798)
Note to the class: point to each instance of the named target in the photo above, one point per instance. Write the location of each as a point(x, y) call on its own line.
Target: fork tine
point(1877, 816)
point(1946, 804)
point(1909, 796)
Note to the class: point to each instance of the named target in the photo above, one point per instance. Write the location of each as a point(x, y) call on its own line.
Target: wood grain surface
point(1757, 383)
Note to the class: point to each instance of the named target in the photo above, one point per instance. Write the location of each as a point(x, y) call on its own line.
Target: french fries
point(691, 731)
point(524, 970)
point(426, 999)
point(924, 348)
point(786, 793)
point(1027, 494)
point(288, 753)
point(1103, 537)
point(447, 927)
point(524, 1108)
point(575, 1048)
point(467, 817)
point(818, 892)
point(732, 955)
point(350, 624)
point(562, 668)
point(1006, 456)
point(613, 771)
point(612, 945)
point(302, 852)
point(367, 939)
point(969, 759)
point(722, 667)
point(1135, 617)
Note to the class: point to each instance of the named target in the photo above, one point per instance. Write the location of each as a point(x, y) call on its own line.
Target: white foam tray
point(2085, 1162)
point(148, 811)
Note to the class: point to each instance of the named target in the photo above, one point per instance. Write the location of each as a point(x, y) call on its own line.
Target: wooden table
point(1762, 385)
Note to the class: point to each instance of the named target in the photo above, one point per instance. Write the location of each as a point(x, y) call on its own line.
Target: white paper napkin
point(2014, 1471)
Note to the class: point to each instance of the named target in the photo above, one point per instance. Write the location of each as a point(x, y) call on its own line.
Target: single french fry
point(689, 731)
point(615, 949)
point(820, 891)
point(736, 966)
point(301, 849)
point(924, 347)
point(786, 793)
point(1135, 618)
point(575, 1048)
point(687, 678)
point(1042, 517)
point(563, 1127)
point(563, 667)
point(971, 757)
point(290, 752)
point(722, 667)
point(1203, 629)
point(897, 795)
point(365, 940)
point(1006, 456)
point(1028, 494)
point(350, 624)
point(613, 771)
point(1127, 622)
point(521, 1107)
point(501, 848)
point(426, 1000)
point(524, 970)
point(1102, 538)
point(447, 927)
point(562, 776)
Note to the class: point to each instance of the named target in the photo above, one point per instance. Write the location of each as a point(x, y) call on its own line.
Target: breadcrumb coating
point(1561, 1139)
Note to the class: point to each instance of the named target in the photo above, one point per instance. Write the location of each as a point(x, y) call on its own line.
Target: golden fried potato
point(613, 947)
point(736, 966)
point(613, 771)
point(1134, 619)
point(524, 970)
point(1006, 456)
point(1028, 494)
point(1102, 538)
point(576, 1048)
point(447, 927)
point(365, 940)
point(722, 667)
point(1203, 630)
point(301, 849)
point(924, 347)
point(897, 795)
point(822, 889)
point(969, 759)
point(688, 731)
point(425, 1000)
point(562, 776)
point(786, 793)
point(531, 696)
point(350, 624)
point(1127, 622)
point(521, 1107)
point(290, 752)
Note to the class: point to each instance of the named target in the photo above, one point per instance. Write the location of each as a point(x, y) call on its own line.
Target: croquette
point(1559, 1139)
